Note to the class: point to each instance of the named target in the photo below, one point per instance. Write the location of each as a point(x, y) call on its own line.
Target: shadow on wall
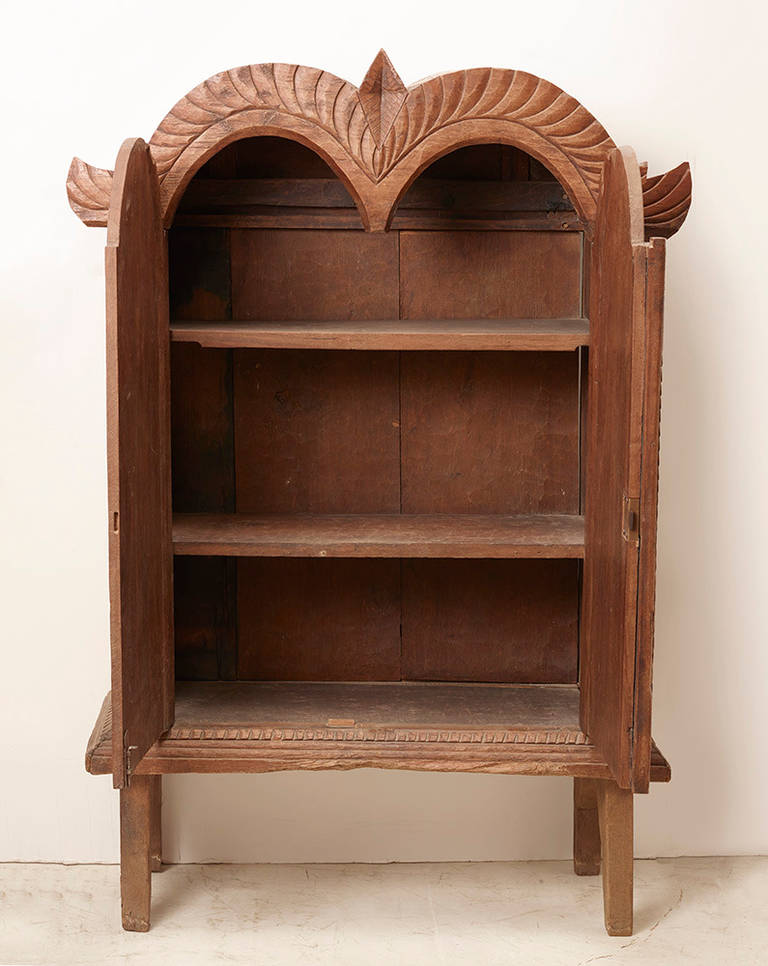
point(365, 816)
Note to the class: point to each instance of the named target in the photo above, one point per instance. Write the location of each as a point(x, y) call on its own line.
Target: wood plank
point(649, 497)
point(203, 455)
point(490, 620)
point(614, 432)
point(135, 847)
point(410, 219)
point(526, 335)
point(227, 754)
point(317, 432)
point(139, 461)
point(379, 535)
point(456, 275)
point(314, 275)
point(615, 814)
point(214, 194)
point(490, 432)
point(318, 620)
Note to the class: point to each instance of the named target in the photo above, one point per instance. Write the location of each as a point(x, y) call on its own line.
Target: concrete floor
point(711, 910)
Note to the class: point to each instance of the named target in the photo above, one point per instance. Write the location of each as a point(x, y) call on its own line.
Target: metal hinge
point(127, 752)
point(630, 519)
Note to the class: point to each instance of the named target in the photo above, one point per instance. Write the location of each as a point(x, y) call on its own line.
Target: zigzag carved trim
point(407, 735)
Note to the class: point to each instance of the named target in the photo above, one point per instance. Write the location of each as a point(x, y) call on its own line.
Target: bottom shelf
point(272, 726)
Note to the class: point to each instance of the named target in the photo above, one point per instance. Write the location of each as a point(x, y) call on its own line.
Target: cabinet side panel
point(649, 498)
point(614, 432)
point(138, 413)
point(203, 453)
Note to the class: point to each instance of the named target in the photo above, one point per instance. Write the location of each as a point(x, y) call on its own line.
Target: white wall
point(677, 81)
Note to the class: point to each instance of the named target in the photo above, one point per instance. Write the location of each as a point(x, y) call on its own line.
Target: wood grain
point(135, 866)
point(518, 335)
point(379, 535)
point(615, 813)
point(318, 620)
point(313, 275)
point(139, 462)
point(232, 750)
point(490, 620)
point(649, 495)
point(490, 432)
point(379, 138)
point(586, 828)
point(462, 275)
point(316, 432)
point(613, 453)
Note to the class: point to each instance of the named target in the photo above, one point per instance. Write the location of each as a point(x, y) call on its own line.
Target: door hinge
point(630, 519)
point(128, 754)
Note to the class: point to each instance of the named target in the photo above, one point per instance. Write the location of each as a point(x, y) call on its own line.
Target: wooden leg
point(614, 806)
point(586, 828)
point(135, 877)
point(156, 823)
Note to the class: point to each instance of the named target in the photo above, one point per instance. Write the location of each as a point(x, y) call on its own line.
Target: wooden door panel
point(613, 452)
point(138, 421)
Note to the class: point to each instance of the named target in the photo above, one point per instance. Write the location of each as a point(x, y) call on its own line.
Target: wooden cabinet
point(383, 397)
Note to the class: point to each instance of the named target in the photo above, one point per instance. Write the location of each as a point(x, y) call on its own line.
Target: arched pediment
point(378, 138)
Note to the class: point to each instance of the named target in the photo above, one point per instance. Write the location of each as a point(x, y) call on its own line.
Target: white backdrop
point(677, 80)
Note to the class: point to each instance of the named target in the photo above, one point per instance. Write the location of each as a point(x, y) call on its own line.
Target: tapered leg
point(614, 807)
point(135, 821)
point(586, 828)
point(156, 823)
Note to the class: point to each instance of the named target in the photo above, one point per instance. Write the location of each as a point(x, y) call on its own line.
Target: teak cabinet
point(383, 403)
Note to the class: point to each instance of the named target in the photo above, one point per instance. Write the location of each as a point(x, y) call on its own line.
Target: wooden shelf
point(269, 726)
point(479, 334)
point(378, 535)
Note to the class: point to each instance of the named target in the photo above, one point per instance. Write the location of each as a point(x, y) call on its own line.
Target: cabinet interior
point(267, 239)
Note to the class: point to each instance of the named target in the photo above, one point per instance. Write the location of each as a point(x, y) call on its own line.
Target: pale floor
point(711, 910)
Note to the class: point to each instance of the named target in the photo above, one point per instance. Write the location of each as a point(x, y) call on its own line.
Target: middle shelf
point(533, 335)
point(379, 535)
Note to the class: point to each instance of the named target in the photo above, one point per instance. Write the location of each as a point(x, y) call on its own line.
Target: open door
point(626, 292)
point(138, 447)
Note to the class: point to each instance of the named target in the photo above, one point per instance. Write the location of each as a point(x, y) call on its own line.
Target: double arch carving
point(378, 138)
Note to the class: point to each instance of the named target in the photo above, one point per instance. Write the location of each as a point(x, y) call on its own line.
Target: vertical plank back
point(138, 446)
point(613, 450)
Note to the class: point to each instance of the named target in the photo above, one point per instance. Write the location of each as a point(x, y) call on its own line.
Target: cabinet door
point(138, 446)
point(626, 282)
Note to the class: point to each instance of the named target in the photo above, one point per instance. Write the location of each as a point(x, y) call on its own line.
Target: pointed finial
point(382, 95)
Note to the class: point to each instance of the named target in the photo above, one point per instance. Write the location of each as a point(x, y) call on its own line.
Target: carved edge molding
point(362, 734)
point(378, 126)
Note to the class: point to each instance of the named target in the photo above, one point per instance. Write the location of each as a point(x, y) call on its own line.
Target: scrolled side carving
point(666, 200)
point(89, 190)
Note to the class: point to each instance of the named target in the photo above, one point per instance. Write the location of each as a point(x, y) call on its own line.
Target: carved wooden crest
point(378, 138)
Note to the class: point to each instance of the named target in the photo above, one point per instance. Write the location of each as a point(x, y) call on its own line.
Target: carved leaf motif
point(666, 200)
point(302, 92)
point(382, 95)
point(500, 95)
point(88, 191)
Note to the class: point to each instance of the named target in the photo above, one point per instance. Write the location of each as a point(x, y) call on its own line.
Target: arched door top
point(377, 138)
